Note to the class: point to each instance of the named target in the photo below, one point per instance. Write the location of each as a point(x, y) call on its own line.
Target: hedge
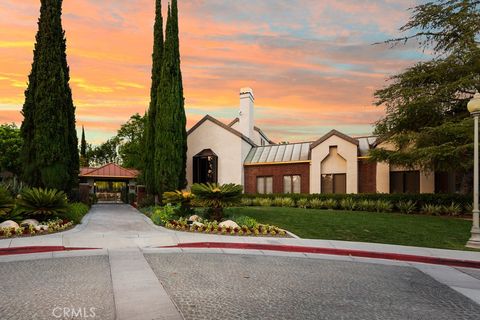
point(420, 199)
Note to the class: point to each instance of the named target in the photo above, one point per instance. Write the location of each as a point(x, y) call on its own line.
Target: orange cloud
point(313, 59)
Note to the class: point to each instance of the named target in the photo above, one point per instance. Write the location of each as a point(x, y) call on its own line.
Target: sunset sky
point(311, 63)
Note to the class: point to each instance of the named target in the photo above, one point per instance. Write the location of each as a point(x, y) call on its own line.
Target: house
point(241, 153)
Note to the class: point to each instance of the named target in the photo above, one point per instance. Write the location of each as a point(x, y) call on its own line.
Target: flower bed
point(214, 227)
point(48, 227)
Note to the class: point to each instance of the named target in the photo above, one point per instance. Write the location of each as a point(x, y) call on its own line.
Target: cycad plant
point(182, 198)
point(42, 203)
point(217, 197)
point(6, 203)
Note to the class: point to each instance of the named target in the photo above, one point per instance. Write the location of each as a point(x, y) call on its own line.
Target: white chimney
point(245, 116)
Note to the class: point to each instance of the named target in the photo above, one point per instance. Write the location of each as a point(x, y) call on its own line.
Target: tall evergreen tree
point(426, 118)
point(171, 135)
point(157, 59)
point(83, 150)
point(50, 152)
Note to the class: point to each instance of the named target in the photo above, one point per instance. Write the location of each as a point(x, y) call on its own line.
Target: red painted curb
point(339, 252)
point(37, 249)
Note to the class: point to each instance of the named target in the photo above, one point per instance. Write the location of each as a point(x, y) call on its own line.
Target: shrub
point(287, 202)
point(348, 204)
point(432, 209)
point(420, 199)
point(407, 207)
point(316, 204)
point(266, 202)
point(75, 212)
point(468, 208)
point(132, 197)
point(147, 201)
point(277, 202)
point(162, 215)
point(14, 186)
point(383, 206)
point(217, 197)
point(256, 201)
point(330, 204)
point(453, 209)
point(246, 202)
point(42, 203)
point(6, 203)
point(367, 205)
point(93, 199)
point(246, 221)
point(303, 203)
point(181, 198)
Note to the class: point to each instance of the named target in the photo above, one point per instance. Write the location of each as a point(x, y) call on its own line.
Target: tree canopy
point(50, 147)
point(126, 148)
point(171, 135)
point(10, 147)
point(148, 172)
point(426, 118)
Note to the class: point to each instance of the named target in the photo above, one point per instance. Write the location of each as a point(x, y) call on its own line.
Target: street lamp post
point(474, 108)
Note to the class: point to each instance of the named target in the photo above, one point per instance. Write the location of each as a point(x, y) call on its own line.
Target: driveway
point(116, 218)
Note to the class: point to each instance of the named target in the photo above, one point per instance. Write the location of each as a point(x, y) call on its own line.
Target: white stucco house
point(239, 152)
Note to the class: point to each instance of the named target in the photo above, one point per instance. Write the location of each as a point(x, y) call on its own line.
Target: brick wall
point(367, 175)
point(277, 171)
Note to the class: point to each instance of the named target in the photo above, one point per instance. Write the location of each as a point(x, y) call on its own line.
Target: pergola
point(110, 178)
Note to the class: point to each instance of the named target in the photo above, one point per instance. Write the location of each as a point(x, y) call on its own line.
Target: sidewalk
point(134, 230)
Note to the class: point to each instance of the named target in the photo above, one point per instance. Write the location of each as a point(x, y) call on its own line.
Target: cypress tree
point(157, 61)
point(171, 136)
point(83, 150)
point(50, 152)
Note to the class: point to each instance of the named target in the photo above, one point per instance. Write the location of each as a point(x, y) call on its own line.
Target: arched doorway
point(205, 167)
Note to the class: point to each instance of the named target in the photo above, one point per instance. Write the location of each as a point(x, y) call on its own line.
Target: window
point(334, 183)
point(264, 185)
point(205, 167)
point(292, 184)
point(405, 182)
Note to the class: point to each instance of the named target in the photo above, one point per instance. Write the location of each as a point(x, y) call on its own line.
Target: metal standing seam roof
point(365, 144)
point(279, 153)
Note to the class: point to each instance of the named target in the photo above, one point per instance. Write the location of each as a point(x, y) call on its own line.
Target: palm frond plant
point(348, 204)
point(453, 209)
point(407, 207)
point(316, 203)
point(13, 186)
point(288, 202)
point(303, 203)
point(383, 206)
point(217, 197)
point(432, 209)
point(6, 203)
point(181, 198)
point(265, 202)
point(246, 202)
point(42, 203)
point(367, 205)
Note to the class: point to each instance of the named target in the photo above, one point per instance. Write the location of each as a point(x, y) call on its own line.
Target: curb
point(38, 249)
point(331, 251)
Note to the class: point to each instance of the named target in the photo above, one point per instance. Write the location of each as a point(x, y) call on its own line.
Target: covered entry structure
point(110, 182)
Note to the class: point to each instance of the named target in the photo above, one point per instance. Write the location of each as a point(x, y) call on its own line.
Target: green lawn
point(391, 228)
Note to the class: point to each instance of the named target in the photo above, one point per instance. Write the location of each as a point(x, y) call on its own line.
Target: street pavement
point(216, 286)
point(130, 278)
point(45, 289)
